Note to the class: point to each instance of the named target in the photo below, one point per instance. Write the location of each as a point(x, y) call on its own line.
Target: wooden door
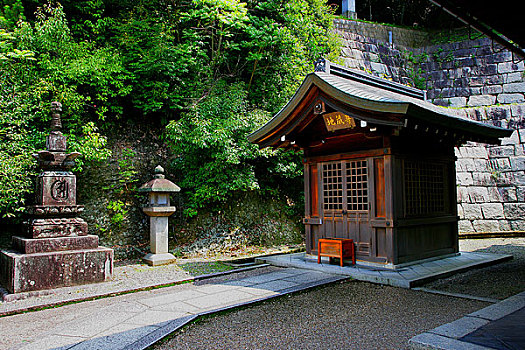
point(345, 203)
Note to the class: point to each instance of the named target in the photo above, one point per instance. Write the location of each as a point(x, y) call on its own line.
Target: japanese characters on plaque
point(337, 121)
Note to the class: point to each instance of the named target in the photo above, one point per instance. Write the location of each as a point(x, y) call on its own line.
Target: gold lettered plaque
point(337, 121)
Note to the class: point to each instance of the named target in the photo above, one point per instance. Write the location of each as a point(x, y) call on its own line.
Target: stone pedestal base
point(43, 245)
point(31, 272)
point(158, 259)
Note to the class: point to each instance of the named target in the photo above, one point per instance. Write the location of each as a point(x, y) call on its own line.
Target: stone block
point(153, 259)
point(517, 110)
point(514, 87)
point(504, 226)
point(492, 89)
point(521, 135)
point(478, 194)
point(464, 179)
point(507, 98)
point(517, 225)
point(486, 69)
point(501, 151)
point(30, 272)
point(518, 178)
point(481, 165)
point(42, 245)
point(56, 227)
point(514, 210)
point(56, 188)
point(498, 113)
point(513, 77)
point(508, 194)
point(460, 212)
point(465, 226)
point(514, 139)
point(510, 67)
point(465, 164)
point(520, 194)
point(500, 165)
point(472, 211)
point(463, 195)
point(492, 210)
point(517, 163)
point(494, 194)
point(486, 225)
point(482, 179)
point(457, 102)
point(474, 152)
point(481, 100)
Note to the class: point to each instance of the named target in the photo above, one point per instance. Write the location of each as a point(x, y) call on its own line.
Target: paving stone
point(155, 317)
point(260, 292)
point(116, 338)
point(266, 277)
point(428, 341)
point(55, 342)
point(171, 297)
point(215, 288)
point(178, 306)
point(497, 311)
point(460, 328)
point(276, 286)
point(220, 299)
point(126, 306)
point(306, 278)
point(92, 325)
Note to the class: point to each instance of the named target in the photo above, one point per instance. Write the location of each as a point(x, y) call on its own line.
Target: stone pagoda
point(56, 250)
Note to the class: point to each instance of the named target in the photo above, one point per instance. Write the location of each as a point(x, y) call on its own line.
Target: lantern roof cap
point(159, 183)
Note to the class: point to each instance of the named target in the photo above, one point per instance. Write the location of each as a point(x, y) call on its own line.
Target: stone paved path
point(135, 321)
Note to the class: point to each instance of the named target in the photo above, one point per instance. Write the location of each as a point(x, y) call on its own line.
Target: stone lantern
point(158, 209)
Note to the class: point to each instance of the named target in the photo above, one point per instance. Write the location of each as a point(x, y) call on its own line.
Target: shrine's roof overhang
point(371, 100)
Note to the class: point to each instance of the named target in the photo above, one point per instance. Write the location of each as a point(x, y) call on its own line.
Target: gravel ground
point(498, 281)
point(347, 315)
point(357, 315)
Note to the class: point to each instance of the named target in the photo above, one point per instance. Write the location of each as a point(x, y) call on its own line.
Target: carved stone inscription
point(56, 188)
point(59, 190)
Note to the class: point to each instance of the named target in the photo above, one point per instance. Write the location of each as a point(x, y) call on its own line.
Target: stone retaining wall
point(481, 81)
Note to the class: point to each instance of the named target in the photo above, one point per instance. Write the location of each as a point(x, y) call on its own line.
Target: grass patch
point(205, 268)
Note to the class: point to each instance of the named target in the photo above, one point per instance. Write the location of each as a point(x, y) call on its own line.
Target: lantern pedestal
point(158, 211)
point(153, 259)
point(158, 235)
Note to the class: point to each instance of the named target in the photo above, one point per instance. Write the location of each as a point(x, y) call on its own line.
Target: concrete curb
point(450, 336)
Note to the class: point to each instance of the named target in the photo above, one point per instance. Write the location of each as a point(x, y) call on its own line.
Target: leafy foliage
point(39, 63)
point(210, 71)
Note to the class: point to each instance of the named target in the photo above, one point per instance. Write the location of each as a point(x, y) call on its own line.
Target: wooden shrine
point(379, 164)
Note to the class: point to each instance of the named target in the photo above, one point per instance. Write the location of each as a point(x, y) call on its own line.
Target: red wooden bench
point(336, 248)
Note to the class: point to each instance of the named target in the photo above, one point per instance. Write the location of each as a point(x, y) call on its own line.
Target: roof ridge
point(324, 65)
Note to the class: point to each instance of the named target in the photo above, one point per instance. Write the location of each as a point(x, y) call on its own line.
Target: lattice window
point(357, 185)
point(332, 186)
point(424, 187)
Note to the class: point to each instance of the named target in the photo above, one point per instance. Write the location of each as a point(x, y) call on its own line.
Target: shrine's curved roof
point(379, 96)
